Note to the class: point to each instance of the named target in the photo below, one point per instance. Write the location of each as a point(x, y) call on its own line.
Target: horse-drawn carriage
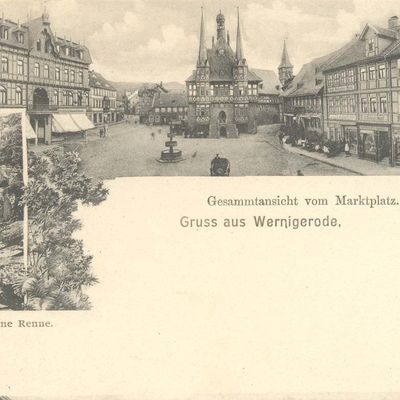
point(220, 166)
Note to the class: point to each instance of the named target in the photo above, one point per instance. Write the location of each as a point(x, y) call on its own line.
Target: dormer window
point(21, 38)
point(48, 46)
point(39, 45)
point(67, 51)
point(371, 45)
point(4, 33)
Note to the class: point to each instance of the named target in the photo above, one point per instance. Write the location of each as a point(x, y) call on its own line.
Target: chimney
point(393, 23)
point(228, 38)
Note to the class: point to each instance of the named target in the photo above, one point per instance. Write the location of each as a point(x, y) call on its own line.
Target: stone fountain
point(171, 154)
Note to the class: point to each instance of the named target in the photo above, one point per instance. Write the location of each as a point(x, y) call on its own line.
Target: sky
point(157, 40)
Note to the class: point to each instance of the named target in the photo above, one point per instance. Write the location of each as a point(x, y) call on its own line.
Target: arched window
point(3, 95)
point(72, 75)
point(46, 73)
point(66, 75)
point(80, 98)
point(80, 77)
point(18, 96)
point(39, 45)
point(58, 75)
point(37, 69)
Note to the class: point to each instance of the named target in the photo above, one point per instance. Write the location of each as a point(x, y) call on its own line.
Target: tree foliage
point(58, 270)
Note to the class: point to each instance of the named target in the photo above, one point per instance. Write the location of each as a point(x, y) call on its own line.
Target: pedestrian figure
point(299, 173)
point(153, 136)
point(194, 154)
point(347, 149)
point(101, 133)
point(281, 137)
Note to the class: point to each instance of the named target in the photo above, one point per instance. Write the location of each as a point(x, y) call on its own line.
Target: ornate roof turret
point(221, 26)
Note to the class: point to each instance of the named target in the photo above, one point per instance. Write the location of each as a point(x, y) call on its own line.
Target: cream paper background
point(181, 312)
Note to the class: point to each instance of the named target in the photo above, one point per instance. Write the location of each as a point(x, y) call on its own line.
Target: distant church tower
point(285, 68)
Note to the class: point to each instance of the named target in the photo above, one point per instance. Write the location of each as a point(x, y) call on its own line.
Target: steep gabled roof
point(97, 80)
point(37, 25)
point(379, 31)
point(310, 80)
point(270, 81)
point(352, 52)
point(171, 99)
point(221, 66)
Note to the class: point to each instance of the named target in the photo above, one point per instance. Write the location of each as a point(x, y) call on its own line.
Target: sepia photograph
point(262, 88)
point(199, 89)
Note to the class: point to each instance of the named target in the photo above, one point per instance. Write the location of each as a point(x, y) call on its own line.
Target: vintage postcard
point(199, 199)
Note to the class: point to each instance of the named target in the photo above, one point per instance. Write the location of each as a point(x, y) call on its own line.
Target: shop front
point(350, 136)
point(396, 146)
point(374, 143)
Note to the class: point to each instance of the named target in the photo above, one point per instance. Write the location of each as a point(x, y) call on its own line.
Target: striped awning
point(69, 123)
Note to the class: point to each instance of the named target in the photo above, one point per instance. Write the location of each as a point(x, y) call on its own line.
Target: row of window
point(342, 105)
point(47, 47)
point(69, 98)
point(5, 66)
point(371, 72)
point(4, 96)
point(222, 90)
point(347, 104)
point(374, 105)
point(306, 101)
point(170, 109)
point(69, 75)
point(104, 92)
point(100, 103)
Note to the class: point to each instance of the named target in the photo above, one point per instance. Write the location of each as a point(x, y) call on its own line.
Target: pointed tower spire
point(202, 48)
point(239, 46)
point(285, 62)
point(285, 68)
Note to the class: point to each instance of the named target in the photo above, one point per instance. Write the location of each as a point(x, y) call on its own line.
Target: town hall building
point(223, 93)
